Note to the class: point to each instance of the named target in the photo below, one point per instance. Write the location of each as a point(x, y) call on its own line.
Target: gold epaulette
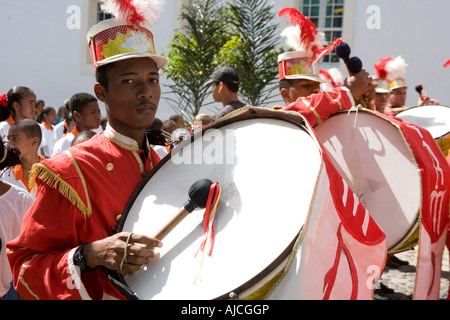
point(54, 181)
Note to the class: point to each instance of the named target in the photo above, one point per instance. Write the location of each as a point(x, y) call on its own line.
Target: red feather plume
point(380, 68)
point(308, 30)
point(130, 12)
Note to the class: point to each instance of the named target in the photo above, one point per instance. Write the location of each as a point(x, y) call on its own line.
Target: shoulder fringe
point(54, 181)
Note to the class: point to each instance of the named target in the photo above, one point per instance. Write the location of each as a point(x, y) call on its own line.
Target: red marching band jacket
point(82, 194)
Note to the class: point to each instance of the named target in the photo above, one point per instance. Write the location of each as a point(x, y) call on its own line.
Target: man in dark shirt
point(225, 88)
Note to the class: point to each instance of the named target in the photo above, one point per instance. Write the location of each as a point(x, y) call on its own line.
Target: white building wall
point(415, 29)
point(39, 50)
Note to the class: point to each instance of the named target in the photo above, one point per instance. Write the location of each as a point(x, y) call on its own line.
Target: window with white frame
point(328, 16)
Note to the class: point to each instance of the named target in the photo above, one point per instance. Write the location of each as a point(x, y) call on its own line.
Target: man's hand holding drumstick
point(124, 252)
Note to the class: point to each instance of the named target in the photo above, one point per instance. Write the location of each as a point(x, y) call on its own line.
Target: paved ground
point(402, 279)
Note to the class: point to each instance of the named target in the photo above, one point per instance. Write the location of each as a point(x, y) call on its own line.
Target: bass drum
point(373, 156)
point(435, 119)
point(267, 186)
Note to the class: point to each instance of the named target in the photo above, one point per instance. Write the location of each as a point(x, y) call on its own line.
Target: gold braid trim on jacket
point(54, 181)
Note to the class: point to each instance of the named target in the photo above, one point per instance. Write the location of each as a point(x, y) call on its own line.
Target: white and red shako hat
point(128, 35)
point(384, 86)
point(309, 46)
point(393, 71)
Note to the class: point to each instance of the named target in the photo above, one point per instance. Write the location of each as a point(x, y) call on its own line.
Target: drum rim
point(244, 114)
point(399, 245)
point(417, 107)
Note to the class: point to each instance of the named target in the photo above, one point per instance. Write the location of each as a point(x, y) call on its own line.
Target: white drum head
point(435, 119)
point(268, 175)
point(373, 157)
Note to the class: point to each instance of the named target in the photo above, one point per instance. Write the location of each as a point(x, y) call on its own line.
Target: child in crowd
point(26, 136)
point(82, 137)
point(47, 120)
point(14, 202)
point(200, 121)
point(18, 104)
point(87, 116)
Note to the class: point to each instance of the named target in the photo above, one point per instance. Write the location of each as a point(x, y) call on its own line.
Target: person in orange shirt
point(24, 135)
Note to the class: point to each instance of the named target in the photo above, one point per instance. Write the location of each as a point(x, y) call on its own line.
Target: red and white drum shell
point(395, 168)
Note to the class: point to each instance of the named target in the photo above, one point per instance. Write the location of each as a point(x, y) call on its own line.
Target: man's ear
point(100, 92)
point(285, 95)
point(76, 116)
point(35, 142)
point(221, 86)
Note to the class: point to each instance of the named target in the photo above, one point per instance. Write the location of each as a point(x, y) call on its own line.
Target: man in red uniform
point(68, 237)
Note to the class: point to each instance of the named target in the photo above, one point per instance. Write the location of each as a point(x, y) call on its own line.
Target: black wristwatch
point(79, 260)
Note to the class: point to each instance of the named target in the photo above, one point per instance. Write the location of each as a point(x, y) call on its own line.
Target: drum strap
point(123, 289)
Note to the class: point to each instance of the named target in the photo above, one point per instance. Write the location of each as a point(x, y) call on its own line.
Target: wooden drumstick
point(198, 198)
point(354, 65)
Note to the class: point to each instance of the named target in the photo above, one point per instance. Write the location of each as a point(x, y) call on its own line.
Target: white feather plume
point(293, 35)
point(396, 69)
point(150, 9)
point(336, 77)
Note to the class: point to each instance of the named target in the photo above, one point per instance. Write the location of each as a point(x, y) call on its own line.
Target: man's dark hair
point(101, 75)
point(233, 87)
point(285, 84)
point(82, 137)
point(79, 101)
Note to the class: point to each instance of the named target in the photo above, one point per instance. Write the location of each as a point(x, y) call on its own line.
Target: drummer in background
point(397, 101)
point(69, 236)
point(382, 95)
point(393, 70)
point(426, 100)
point(300, 80)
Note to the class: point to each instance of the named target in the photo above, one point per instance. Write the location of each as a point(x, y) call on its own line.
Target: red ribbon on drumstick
point(203, 194)
point(199, 197)
point(210, 212)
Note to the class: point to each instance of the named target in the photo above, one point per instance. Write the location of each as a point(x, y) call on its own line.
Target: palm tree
point(240, 35)
point(192, 56)
point(256, 56)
